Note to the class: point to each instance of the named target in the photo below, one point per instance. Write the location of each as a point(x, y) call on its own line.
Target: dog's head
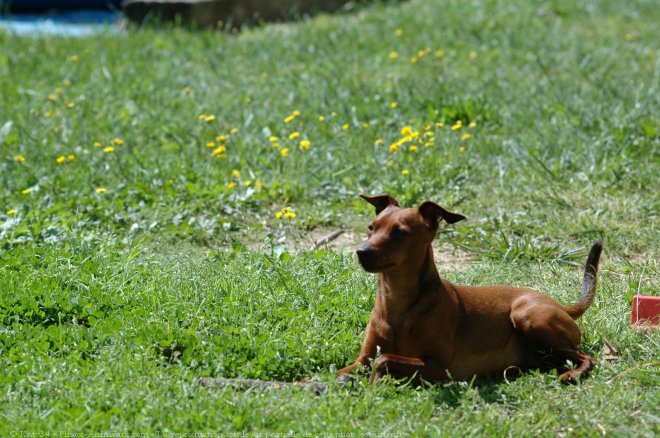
point(400, 235)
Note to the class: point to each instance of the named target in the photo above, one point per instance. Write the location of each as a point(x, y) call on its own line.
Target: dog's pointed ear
point(381, 202)
point(432, 213)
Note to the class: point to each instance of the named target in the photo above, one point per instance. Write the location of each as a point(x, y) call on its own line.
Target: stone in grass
point(209, 13)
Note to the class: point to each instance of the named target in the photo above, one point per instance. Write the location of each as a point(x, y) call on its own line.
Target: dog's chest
point(403, 338)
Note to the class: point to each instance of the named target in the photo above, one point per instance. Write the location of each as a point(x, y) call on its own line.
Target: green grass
point(112, 304)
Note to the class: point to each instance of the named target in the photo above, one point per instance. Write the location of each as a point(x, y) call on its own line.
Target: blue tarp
point(44, 5)
point(67, 23)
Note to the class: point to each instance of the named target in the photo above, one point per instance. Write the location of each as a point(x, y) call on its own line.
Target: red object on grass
point(645, 310)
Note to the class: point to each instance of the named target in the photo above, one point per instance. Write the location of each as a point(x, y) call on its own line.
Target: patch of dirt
point(447, 258)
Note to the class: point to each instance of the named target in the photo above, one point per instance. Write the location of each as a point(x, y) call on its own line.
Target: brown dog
point(427, 327)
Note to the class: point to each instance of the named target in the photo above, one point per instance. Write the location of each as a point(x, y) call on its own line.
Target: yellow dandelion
point(60, 159)
point(209, 119)
point(393, 105)
point(202, 116)
point(466, 136)
point(414, 60)
point(421, 53)
point(398, 32)
point(345, 126)
point(233, 131)
point(462, 149)
point(472, 55)
point(321, 118)
point(108, 149)
point(412, 148)
point(66, 82)
point(393, 54)
point(220, 150)
point(70, 105)
point(429, 134)
point(289, 119)
point(472, 125)
point(26, 191)
point(273, 139)
point(70, 157)
point(439, 53)
point(284, 152)
point(235, 173)
point(279, 214)
point(456, 126)
point(101, 190)
point(428, 144)
point(294, 135)
point(405, 172)
point(231, 185)
point(258, 184)
point(427, 128)
point(393, 147)
point(117, 141)
point(295, 113)
point(365, 125)
point(59, 90)
point(221, 138)
point(75, 58)
point(406, 131)
point(276, 145)
point(378, 141)
point(49, 113)
point(97, 144)
point(247, 183)
point(289, 214)
point(220, 155)
point(210, 144)
point(305, 144)
point(52, 97)
point(20, 159)
point(439, 124)
point(11, 212)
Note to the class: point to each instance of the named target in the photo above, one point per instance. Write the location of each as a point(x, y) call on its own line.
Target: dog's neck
point(400, 289)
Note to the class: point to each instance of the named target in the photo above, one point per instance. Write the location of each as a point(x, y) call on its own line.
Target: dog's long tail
point(589, 284)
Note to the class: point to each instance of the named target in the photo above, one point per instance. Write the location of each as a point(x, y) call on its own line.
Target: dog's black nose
point(363, 249)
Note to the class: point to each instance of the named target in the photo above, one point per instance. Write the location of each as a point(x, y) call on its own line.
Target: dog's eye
point(397, 232)
point(370, 228)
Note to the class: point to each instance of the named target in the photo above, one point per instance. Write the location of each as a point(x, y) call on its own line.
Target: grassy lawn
point(159, 187)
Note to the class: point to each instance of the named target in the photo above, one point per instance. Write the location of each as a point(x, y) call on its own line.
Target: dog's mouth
point(372, 265)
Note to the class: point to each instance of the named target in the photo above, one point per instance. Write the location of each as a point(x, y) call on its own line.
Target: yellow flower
point(276, 145)
point(439, 124)
point(221, 138)
point(321, 118)
point(279, 214)
point(305, 144)
point(66, 82)
point(70, 105)
point(231, 185)
point(289, 214)
point(389, 163)
point(345, 126)
point(295, 113)
point(394, 147)
point(393, 105)
point(294, 135)
point(456, 126)
point(472, 125)
point(60, 159)
point(288, 119)
point(202, 116)
point(393, 54)
point(462, 149)
point(421, 53)
point(186, 90)
point(20, 159)
point(59, 90)
point(405, 172)
point(406, 131)
point(412, 148)
point(117, 141)
point(398, 32)
point(11, 212)
point(75, 58)
point(97, 144)
point(108, 149)
point(233, 131)
point(247, 183)
point(472, 55)
point(220, 150)
point(284, 152)
point(26, 191)
point(209, 119)
point(439, 53)
point(210, 144)
point(428, 144)
point(466, 136)
point(235, 173)
point(101, 190)
point(365, 125)
point(273, 139)
point(378, 141)
point(52, 97)
point(413, 60)
point(258, 184)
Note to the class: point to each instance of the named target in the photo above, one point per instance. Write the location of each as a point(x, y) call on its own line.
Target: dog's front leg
point(401, 367)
